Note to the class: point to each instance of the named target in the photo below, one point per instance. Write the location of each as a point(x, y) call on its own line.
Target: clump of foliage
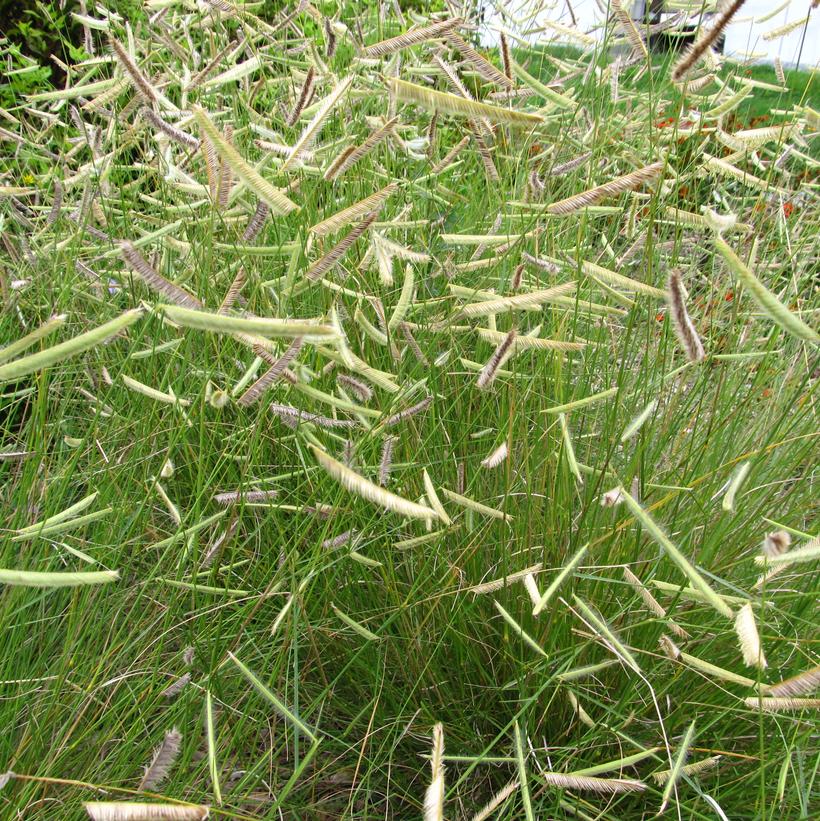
point(394, 427)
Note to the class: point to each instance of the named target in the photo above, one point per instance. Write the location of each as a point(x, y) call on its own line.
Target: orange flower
point(730, 295)
point(788, 209)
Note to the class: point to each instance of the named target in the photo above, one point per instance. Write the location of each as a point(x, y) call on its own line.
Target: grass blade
point(566, 571)
point(273, 197)
point(767, 301)
point(278, 705)
point(357, 484)
point(456, 106)
point(697, 581)
point(677, 767)
point(210, 732)
point(523, 778)
point(65, 350)
point(520, 631)
point(31, 578)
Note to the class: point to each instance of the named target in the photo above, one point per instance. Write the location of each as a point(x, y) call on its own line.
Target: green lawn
point(802, 84)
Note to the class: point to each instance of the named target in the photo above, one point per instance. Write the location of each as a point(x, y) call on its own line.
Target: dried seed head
point(449, 157)
point(138, 811)
point(164, 757)
point(496, 457)
point(278, 368)
point(434, 797)
point(684, 328)
point(176, 134)
point(176, 686)
point(341, 539)
point(363, 392)
point(387, 459)
point(746, 629)
point(138, 79)
point(256, 222)
point(233, 497)
point(410, 38)
point(500, 355)
point(506, 62)
point(612, 497)
point(156, 281)
point(295, 415)
point(695, 768)
point(608, 786)
point(719, 222)
point(408, 412)
point(628, 25)
point(776, 543)
point(352, 154)
point(627, 182)
point(322, 265)
point(776, 705)
point(797, 685)
point(304, 97)
point(669, 647)
point(330, 39)
point(219, 399)
point(690, 57)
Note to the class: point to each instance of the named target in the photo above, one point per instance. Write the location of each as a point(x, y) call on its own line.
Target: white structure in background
point(743, 38)
point(520, 18)
point(747, 37)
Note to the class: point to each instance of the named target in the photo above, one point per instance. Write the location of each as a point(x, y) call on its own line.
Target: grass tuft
point(363, 386)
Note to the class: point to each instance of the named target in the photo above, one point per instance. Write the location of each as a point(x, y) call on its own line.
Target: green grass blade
point(267, 327)
point(210, 733)
point(680, 760)
point(278, 705)
point(566, 571)
point(65, 350)
point(519, 630)
point(274, 198)
point(523, 778)
point(697, 580)
point(31, 578)
point(48, 327)
point(767, 301)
